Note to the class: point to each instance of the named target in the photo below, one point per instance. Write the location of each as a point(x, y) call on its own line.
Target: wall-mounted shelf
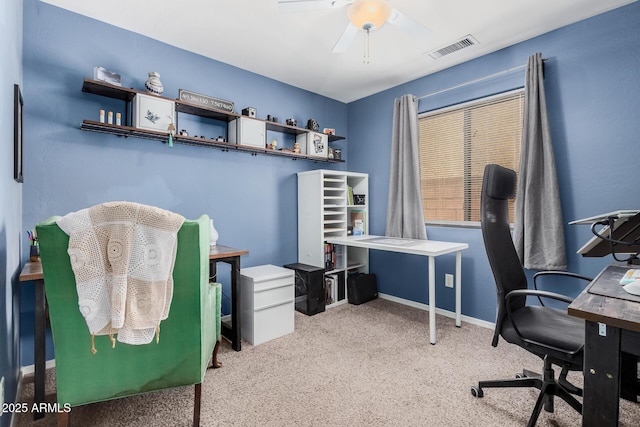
point(293, 130)
point(187, 108)
point(127, 95)
point(105, 89)
point(128, 131)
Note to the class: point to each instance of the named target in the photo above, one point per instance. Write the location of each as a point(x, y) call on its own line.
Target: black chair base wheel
point(476, 391)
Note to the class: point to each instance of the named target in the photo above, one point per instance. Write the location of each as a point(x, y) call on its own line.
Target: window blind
point(455, 145)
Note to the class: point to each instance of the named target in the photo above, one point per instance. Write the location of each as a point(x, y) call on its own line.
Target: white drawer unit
point(268, 295)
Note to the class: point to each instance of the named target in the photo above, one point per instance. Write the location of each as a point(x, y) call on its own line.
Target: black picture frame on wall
point(17, 134)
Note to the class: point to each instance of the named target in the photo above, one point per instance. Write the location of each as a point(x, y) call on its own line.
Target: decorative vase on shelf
point(214, 234)
point(153, 84)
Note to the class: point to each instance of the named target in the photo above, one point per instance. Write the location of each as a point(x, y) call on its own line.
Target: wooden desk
point(612, 333)
point(231, 256)
point(429, 248)
point(32, 271)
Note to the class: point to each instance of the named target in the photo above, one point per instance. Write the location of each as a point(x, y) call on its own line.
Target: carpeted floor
point(368, 365)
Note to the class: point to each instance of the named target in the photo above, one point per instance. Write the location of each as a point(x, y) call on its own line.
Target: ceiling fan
point(366, 15)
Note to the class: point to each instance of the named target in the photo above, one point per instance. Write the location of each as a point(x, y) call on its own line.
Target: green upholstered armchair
point(187, 337)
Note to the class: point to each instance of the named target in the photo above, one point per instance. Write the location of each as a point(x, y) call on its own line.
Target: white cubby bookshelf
point(325, 209)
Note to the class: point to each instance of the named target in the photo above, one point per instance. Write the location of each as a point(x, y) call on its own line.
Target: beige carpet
point(368, 365)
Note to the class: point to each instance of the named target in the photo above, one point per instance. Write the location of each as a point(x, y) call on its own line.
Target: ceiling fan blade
point(407, 24)
point(299, 5)
point(345, 39)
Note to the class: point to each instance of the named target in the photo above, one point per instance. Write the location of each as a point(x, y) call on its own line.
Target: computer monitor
point(625, 238)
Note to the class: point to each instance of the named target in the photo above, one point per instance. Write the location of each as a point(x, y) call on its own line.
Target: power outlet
point(448, 280)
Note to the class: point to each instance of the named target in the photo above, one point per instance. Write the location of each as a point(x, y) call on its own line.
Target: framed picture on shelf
point(17, 134)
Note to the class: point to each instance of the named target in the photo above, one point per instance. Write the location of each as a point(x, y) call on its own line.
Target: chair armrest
point(556, 273)
point(537, 293)
point(559, 273)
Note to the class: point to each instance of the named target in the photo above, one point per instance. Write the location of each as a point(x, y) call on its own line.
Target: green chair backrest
point(186, 337)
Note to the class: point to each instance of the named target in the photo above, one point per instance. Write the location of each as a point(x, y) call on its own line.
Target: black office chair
point(547, 332)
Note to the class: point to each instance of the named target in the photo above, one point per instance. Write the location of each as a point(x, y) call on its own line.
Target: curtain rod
point(490, 76)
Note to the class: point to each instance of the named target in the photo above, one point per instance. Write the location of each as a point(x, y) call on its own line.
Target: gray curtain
point(539, 229)
point(404, 207)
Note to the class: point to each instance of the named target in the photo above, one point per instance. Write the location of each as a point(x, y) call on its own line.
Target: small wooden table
point(612, 342)
point(32, 271)
point(231, 256)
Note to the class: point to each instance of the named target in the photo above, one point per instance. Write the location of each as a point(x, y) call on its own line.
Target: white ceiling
point(295, 47)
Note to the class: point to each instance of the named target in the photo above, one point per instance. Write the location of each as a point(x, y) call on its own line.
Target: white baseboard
point(30, 369)
point(440, 311)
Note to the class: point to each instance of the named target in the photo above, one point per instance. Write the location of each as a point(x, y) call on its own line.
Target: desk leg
point(39, 346)
point(233, 332)
point(601, 376)
point(235, 298)
point(432, 300)
point(458, 288)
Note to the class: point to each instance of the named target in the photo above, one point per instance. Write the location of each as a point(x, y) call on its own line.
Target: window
point(455, 145)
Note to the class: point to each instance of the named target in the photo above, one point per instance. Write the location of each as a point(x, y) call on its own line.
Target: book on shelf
point(333, 256)
point(340, 294)
point(328, 261)
point(334, 283)
point(350, 194)
point(330, 288)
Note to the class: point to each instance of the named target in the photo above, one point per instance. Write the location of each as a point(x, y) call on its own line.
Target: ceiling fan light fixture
point(369, 14)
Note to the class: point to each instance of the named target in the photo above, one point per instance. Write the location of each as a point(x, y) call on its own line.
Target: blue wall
point(593, 95)
point(11, 202)
point(252, 199)
point(592, 91)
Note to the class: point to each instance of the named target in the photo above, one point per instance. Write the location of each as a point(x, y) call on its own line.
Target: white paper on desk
point(393, 242)
point(630, 276)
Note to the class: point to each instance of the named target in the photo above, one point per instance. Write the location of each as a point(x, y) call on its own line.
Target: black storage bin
point(309, 286)
point(361, 288)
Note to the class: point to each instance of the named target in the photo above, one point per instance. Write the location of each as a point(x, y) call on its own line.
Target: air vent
point(463, 43)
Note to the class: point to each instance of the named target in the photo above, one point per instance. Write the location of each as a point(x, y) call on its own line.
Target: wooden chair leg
point(196, 405)
point(63, 419)
point(214, 359)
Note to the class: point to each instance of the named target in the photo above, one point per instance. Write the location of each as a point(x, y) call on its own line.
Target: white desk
point(429, 248)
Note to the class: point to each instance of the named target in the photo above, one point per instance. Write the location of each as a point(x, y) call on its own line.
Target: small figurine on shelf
point(274, 144)
point(296, 148)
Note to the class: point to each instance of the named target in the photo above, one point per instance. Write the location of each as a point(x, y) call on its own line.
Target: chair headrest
point(500, 182)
